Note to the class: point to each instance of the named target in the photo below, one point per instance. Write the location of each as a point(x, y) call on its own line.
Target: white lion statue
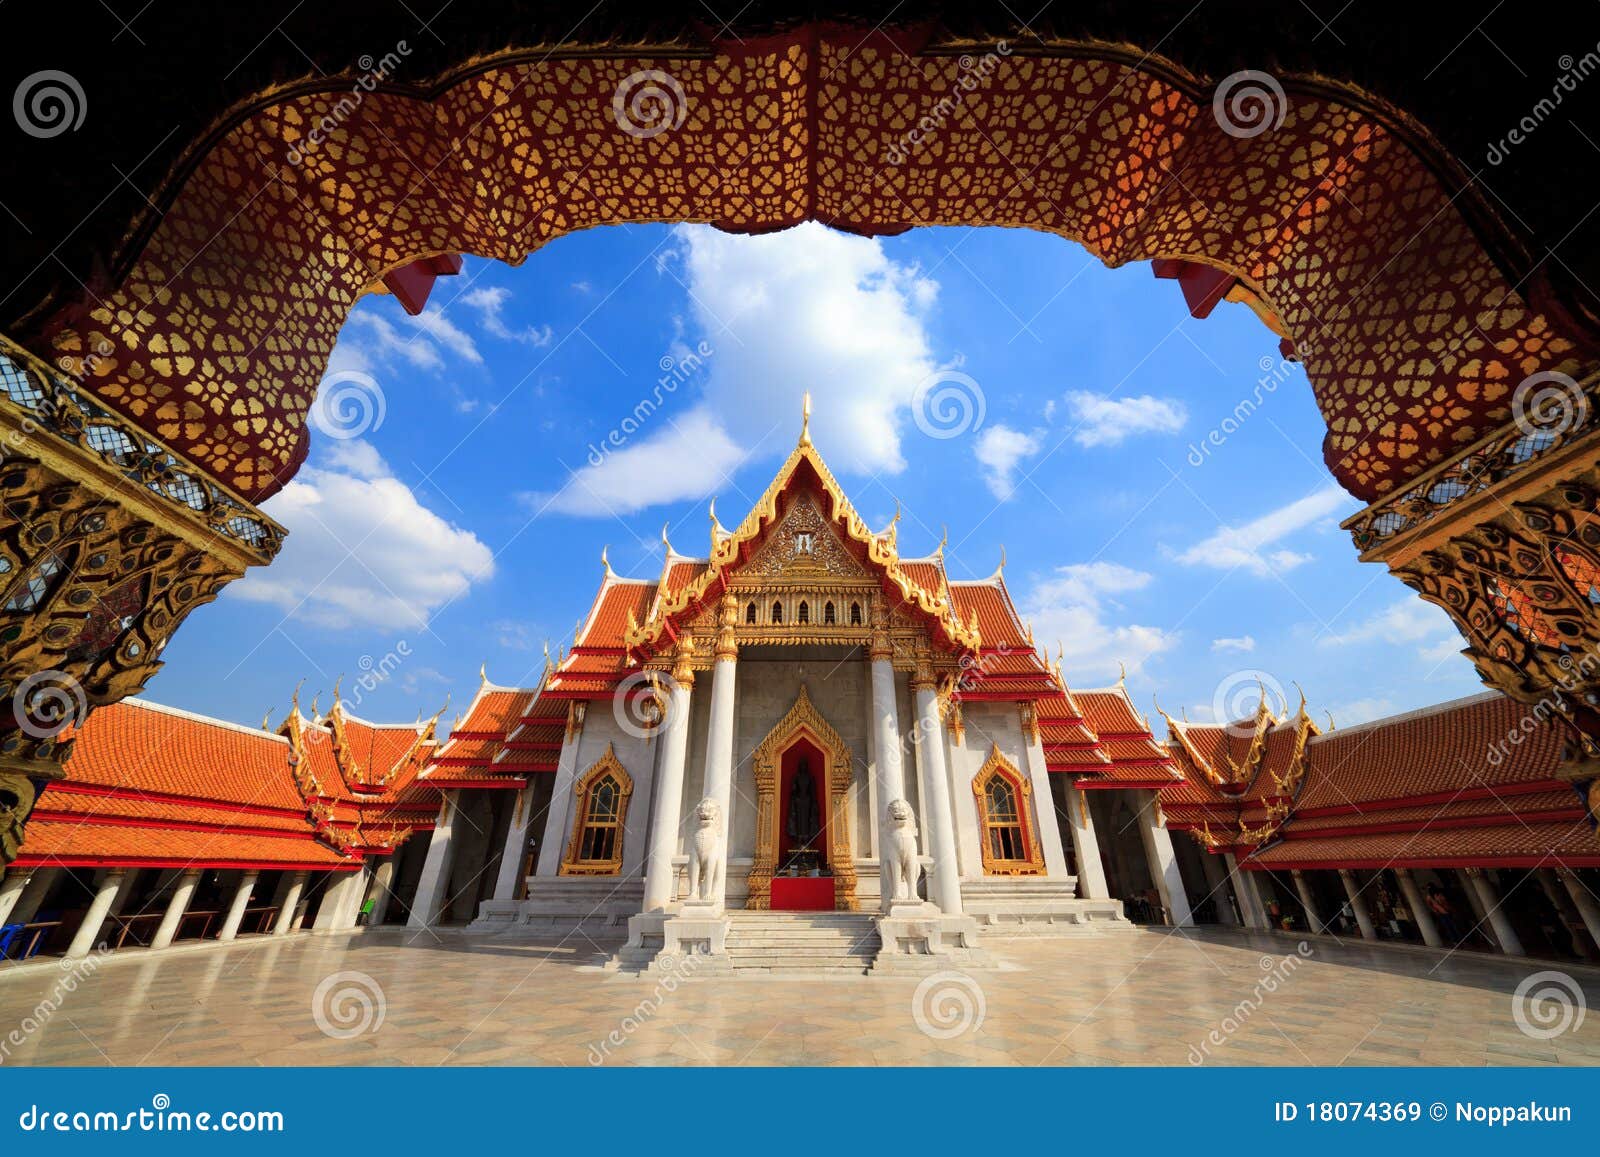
point(902, 851)
point(705, 853)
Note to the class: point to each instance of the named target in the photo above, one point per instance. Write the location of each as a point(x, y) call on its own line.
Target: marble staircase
point(843, 942)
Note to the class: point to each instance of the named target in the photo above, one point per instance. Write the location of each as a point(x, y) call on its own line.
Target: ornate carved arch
point(1030, 860)
point(803, 721)
point(578, 861)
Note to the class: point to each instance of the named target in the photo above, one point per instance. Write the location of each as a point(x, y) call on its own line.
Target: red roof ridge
point(211, 721)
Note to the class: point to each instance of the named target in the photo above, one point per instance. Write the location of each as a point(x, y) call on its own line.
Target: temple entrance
point(803, 859)
point(803, 881)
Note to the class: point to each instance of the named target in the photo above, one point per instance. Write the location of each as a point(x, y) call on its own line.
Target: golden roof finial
point(805, 420)
point(483, 672)
point(605, 561)
point(718, 532)
point(664, 540)
point(294, 700)
point(315, 710)
point(266, 720)
point(336, 683)
point(1301, 710)
point(1030, 635)
point(1329, 714)
point(944, 540)
point(1122, 673)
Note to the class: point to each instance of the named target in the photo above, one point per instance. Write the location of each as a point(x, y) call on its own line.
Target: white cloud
point(1072, 606)
point(1244, 643)
point(1355, 711)
point(1108, 421)
point(807, 309)
point(692, 457)
point(999, 450)
point(362, 549)
point(1410, 621)
point(490, 302)
point(447, 333)
point(1246, 546)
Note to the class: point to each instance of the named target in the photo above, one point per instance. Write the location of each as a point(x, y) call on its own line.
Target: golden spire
point(266, 720)
point(944, 540)
point(294, 700)
point(336, 683)
point(1329, 714)
point(805, 420)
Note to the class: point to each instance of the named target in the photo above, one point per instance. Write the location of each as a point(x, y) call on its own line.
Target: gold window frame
point(1033, 863)
point(572, 865)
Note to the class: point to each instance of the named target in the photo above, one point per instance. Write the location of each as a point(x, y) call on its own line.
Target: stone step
point(755, 951)
point(820, 939)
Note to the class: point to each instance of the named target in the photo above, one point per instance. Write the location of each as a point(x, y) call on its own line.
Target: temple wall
point(988, 725)
point(638, 757)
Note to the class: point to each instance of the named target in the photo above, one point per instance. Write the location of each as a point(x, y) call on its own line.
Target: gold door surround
point(803, 721)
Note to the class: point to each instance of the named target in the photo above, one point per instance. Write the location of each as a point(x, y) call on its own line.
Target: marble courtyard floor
point(1136, 997)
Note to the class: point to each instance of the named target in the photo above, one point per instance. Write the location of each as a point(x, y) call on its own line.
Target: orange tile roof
point(997, 620)
point(1522, 844)
point(608, 620)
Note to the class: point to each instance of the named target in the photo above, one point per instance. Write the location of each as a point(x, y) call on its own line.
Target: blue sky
point(1000, 383)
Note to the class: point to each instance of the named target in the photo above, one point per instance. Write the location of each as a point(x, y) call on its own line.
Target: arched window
point(804, 615)
point(777, 612)
point(828, 617)
point(750, 614)
point(1009, 845)
point(601, 794)
point(855, 614)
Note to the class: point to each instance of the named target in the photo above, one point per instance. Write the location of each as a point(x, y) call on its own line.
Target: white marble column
point(99, 907)
point(382, 889)
point(182, 892)
point(340, 900)
point(434, 883)
point(241, 901)
point(11, 891)
point(946, 890)
point(1421, 914)
point(1085, 845)
point(39, 885)
point(1163, 862)
point(1489, 896)
point(660, 877)
point(1307, 901)
point(717, 784)
point(1244, 889)
point(563, 802)
point(509, 876)
point(1358, 904)
point(1055, 856)
point(291, 900)
point(1583, 900)
point(891, 773)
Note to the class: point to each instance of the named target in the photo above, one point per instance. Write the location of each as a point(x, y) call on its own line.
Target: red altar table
point(802, 894)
